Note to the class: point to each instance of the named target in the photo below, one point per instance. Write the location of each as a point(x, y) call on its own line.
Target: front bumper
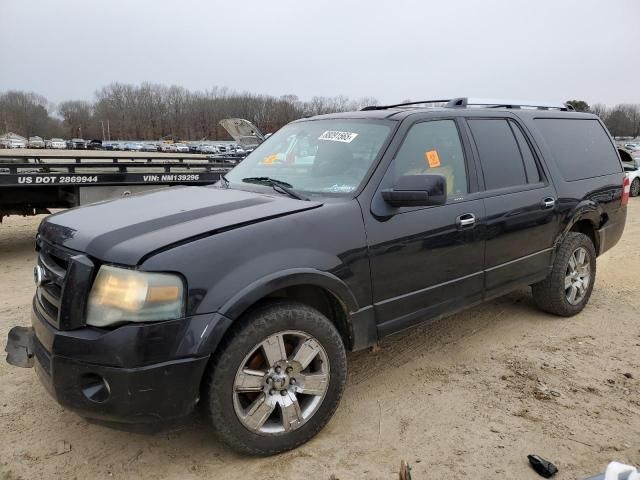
point(134, 373)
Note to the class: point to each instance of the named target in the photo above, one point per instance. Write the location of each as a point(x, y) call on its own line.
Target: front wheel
point(568, 287)
point(277, 380)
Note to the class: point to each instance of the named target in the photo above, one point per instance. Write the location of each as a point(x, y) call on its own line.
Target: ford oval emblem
point(39, 275)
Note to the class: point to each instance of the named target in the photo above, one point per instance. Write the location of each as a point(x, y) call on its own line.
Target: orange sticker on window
point(432, 158)
point(269, 160)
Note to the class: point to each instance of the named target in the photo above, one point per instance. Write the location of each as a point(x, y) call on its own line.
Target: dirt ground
point(468, 397)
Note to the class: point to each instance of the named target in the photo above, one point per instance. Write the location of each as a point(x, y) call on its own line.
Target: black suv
point(335, 232)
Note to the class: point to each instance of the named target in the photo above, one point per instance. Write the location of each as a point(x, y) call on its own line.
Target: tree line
point(152, 111)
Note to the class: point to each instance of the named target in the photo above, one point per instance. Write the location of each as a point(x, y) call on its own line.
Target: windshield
point(316, 156)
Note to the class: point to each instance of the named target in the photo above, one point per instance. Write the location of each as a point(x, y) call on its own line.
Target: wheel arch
point(588, 227)
point(321, 290)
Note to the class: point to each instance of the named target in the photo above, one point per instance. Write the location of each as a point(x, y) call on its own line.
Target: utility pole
point(102, 123)
point(108, 131)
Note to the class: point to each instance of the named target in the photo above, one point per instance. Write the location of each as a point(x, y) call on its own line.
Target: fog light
point(95, 388)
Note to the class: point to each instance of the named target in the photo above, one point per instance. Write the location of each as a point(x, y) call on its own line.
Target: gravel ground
point(467, 397)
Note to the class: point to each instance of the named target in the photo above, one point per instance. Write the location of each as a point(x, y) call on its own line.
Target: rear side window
point(500, 156)
point(530, 165)
point(581, 147)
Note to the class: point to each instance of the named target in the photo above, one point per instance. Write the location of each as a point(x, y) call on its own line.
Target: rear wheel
point(635, 187)
point(277, 380)
point(568, 287)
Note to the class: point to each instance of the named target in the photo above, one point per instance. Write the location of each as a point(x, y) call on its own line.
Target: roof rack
point(464, 102)
point(406, 104)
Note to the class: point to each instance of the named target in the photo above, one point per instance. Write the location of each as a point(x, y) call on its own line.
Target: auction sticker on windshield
point(336, 136)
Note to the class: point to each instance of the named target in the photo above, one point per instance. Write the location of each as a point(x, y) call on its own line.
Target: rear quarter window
point(581, 147)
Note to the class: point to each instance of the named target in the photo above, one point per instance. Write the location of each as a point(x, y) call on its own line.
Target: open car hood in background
point(245, 133)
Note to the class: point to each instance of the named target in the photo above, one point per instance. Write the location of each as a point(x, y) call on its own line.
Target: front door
point(426, 261)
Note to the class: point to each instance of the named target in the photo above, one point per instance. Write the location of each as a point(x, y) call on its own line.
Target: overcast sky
point(388, 49)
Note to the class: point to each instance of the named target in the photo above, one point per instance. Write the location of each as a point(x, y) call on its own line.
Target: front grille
point(64, 285)
point(54, 264)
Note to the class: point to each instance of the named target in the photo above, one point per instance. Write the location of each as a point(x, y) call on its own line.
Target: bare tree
point(77, 116)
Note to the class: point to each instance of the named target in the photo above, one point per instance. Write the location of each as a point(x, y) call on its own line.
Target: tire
point(230, 411)
point(635, 187)
point(551, 295)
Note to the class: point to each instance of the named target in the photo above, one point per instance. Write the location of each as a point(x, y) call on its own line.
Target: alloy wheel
point(577, 276)
point(281, 383)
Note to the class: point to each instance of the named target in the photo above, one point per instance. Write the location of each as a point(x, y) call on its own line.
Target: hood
point(128, 230)
point(245, 133)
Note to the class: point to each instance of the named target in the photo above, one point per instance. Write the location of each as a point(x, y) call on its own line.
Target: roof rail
point(406, 104)
point(464, 102)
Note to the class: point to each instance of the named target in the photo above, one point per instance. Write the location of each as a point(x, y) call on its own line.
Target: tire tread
point(252, 325)
point(549, 294)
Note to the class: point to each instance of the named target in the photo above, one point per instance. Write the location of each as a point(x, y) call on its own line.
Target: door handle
point(549, 202)
point(466, 220)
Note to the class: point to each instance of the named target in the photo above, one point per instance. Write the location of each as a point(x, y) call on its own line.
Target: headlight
point(121, 295)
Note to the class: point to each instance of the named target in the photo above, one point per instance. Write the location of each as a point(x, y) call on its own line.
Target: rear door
point(426, 261)
point(520, 202)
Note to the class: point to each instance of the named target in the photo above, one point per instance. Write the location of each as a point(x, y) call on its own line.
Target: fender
point(584, 210)
point(258, 289)
point(361, 320)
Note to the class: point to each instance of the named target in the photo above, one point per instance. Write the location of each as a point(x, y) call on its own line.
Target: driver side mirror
point(417, 191)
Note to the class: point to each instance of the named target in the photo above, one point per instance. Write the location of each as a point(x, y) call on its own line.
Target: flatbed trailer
point(34, 183)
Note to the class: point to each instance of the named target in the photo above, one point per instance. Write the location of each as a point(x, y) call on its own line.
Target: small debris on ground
point(405, 471)
point(63, 447)
point(542, 467)
point(135, 457)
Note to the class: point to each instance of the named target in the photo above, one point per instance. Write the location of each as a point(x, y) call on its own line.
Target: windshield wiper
point(277, 185)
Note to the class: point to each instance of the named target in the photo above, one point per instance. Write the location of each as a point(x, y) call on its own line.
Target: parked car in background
point(149, 147)
point(108, 146)
point(94, 144)
point(12, 143)
point(631, 163)
point(77, 144)
point(221, 148)
point(181, 148)
point(35, 142)
point(57, 144)
point(133, 147)
point(168, 148)
point(194, 147)
point(632, 146)
point(206, 148)
point(633, 174)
